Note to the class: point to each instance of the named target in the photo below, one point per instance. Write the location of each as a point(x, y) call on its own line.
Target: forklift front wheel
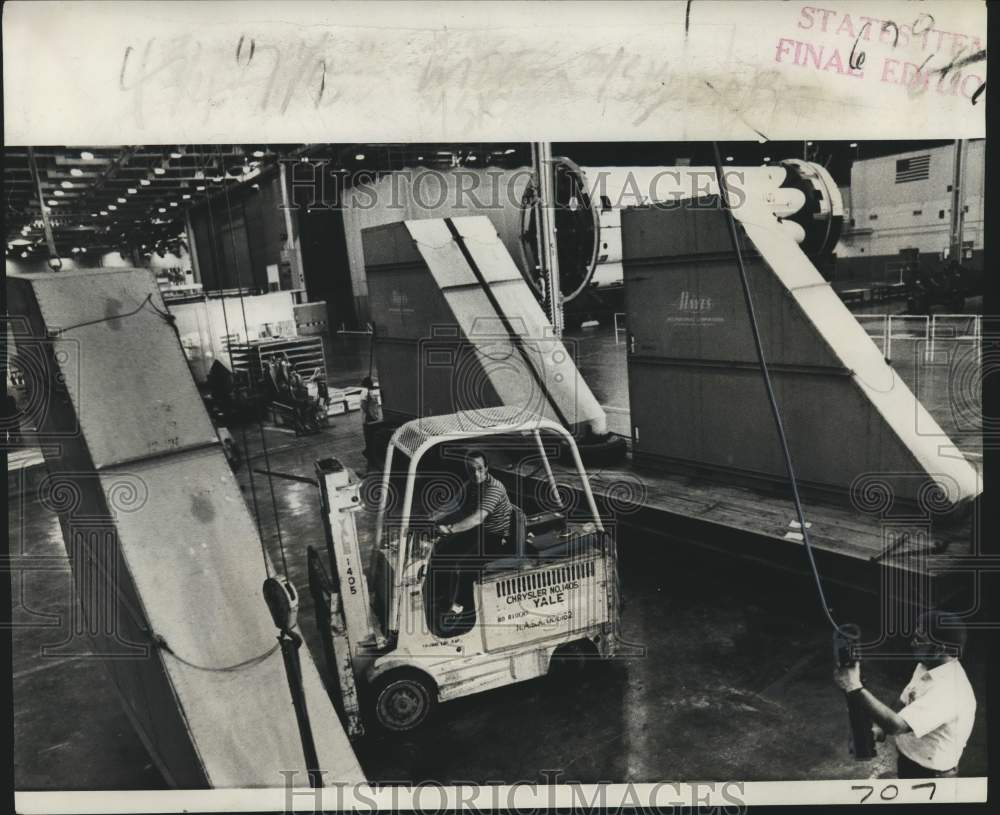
point(403, 700)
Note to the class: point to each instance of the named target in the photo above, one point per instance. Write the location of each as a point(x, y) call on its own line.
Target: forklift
point(554, 595)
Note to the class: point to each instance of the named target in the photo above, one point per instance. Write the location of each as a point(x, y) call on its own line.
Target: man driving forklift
point(478, 529)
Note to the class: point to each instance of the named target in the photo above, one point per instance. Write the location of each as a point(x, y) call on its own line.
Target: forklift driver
point(478, 527)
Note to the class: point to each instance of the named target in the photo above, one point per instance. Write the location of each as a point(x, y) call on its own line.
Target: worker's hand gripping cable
point(846, 636)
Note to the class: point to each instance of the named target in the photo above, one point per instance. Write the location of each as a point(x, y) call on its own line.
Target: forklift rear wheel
point(403, 700)
point(573, 657)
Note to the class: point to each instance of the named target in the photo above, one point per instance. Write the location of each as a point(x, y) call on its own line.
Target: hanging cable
point(260, 424)
point(775, 411)
point(279, 594)
point(232, 366)
point(371, 351)
point(55, 262)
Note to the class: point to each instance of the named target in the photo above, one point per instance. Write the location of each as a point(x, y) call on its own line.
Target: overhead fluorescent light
point(76, 172)
point(86, 155)
point(67, 184)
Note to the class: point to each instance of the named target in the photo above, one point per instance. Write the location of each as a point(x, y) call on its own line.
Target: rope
point(158, 640)
point(237, 666)
point(140, 307)
point(775, 411)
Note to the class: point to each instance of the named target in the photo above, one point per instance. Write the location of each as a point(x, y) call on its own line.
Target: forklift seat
point(515, 543)
point(518, 534)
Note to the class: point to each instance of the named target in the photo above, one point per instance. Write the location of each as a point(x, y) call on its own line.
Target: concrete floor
point(733, 684)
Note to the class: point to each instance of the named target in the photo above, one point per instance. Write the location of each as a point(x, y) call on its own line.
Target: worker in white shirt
point(371, 416)
point(933, 717)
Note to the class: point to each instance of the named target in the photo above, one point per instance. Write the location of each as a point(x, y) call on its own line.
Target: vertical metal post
point(548, 469)
point(957, 197)
point(888, 339)
point(547, 229)
point(291, 241)
point(192, 247)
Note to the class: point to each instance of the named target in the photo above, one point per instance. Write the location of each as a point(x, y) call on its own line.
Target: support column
point(192, 247)
point(957, 205)
point(548, 254)
point(292, 247)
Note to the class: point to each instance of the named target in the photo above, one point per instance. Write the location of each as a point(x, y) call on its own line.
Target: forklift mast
point(339, 501)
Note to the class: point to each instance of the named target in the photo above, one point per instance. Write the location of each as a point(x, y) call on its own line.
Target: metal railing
point(929, 329)
point(620, 327)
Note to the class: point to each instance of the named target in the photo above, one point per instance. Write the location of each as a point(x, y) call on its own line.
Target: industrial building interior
point(231, 366)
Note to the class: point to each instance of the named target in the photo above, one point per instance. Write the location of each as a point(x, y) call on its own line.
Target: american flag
point(916, 168)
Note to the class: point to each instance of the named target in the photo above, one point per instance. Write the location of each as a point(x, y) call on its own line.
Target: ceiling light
point(162, 209)
point(767, 158)
point(20, 242)
point(83, 249)
point(200, 188)
point(359, 157)
point(75, 249)
point(508, 151)
point(729, 158)
point(93, 214)
point(52, 202)
point(809, 144)
point(258, 154)
point(58, 193)
point(854, 144)
point(24, 254)
point(420, 158)
point(104, 212)
point(76, 172)
point(121, 200)
point(159, 171)
point(144, 182)
point(186, 196)
point(132, 190)
point(176, 155)
point(67, 184)
point(471, 158)
point(173, 203)
point(86, 155)
point(112, 206)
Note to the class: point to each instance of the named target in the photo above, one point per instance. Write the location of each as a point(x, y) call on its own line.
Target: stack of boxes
point(346, 400)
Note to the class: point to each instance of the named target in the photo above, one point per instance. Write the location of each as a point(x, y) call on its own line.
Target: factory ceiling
point(102, 199)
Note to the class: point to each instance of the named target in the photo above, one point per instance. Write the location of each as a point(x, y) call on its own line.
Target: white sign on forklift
point(557, 591)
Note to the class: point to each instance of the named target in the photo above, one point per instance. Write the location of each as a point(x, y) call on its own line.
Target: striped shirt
point(494, 502)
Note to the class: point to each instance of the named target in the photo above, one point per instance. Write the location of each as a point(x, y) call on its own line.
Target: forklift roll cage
point(416, 437)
